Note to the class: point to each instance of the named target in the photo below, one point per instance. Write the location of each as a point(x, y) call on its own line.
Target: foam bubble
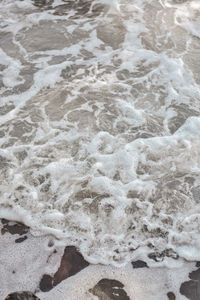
point(100, 125)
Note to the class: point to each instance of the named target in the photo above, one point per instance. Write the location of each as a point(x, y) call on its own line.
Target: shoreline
point(34, 264)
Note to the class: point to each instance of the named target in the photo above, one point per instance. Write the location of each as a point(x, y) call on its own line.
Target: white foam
point(151, 283)
point(100, 128)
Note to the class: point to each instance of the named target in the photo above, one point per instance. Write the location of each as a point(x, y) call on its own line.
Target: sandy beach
point(99, 149)
point(34, 264)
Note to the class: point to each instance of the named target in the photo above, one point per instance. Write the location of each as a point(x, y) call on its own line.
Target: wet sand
point(86, 88)
point(44, 271)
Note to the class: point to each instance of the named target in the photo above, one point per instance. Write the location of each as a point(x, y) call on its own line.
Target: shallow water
point(100, 124)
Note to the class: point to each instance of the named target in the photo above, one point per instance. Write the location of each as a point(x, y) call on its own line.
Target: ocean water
point(100, 125)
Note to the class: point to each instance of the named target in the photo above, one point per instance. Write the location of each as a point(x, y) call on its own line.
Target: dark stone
point(13, 227)
point(191, 288)
point(139, 264)
point(22, 296)
point(108, 289)
point(171, 296)
point(72, 262)
point(46, 283)
point(195, 275)
point(20, 240)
